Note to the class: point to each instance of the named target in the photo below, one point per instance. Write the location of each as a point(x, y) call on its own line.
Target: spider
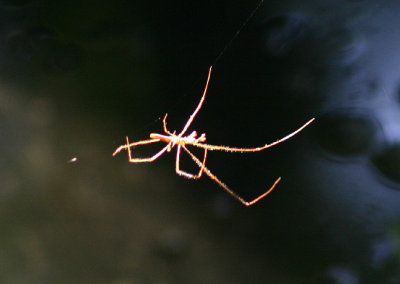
point(180, 141)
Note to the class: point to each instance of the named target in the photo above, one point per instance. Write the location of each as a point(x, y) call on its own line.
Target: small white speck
point(73, 160)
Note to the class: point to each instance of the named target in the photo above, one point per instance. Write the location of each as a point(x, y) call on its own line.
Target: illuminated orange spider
point(181, 141)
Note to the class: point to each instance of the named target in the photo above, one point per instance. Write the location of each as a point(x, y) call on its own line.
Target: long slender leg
point(127, 145)
point(243, 150)
point(165, 124)
point(141, 160)
point(193, 115)
point(186, 174)
point(226, 188)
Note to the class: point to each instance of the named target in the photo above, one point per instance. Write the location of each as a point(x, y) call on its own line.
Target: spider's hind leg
point(184, 173)
point(128, 147)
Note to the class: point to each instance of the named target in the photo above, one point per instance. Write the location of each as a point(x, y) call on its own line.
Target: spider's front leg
point(225, 187)
point(186, 174)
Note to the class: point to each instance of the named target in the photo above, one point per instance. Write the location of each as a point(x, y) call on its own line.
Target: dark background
point(76, 77)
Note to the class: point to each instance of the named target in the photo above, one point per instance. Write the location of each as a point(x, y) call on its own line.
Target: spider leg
point(127, 145)
point(226, 188)
point(256, 149)
point(186, 174)
point(141, 160)
point(146, 160)
point(165, 124)
point(193, 115)
point(290, 135)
